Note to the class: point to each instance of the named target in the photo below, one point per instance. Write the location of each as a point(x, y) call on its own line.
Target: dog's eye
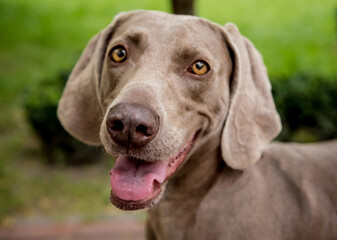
point(118, 54)
point(199, 68)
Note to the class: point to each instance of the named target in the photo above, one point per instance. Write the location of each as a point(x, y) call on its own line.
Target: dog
point(185, 106)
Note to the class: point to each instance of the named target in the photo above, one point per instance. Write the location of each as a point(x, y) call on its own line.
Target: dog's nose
point(132, 125)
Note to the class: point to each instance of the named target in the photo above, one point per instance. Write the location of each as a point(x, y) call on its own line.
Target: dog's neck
point(185, 191)
point(174, 217)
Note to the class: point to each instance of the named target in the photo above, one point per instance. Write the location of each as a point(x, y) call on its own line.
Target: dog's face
point(152, 88)
point(158, 97)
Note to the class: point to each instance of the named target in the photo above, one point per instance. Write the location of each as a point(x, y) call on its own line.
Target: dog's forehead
point(169, 28)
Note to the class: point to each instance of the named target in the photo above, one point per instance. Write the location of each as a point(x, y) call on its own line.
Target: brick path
point(101, 230)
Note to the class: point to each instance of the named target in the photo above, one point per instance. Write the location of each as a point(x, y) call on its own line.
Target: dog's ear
point(252, 121)
point(79, 109)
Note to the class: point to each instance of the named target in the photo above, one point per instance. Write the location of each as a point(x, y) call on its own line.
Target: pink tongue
point(133, 180)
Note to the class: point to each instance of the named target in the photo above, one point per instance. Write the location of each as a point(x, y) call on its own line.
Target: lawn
point(41, 38)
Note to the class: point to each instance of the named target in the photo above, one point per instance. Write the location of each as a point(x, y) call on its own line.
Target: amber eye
point(199, 68)
point(118, 54)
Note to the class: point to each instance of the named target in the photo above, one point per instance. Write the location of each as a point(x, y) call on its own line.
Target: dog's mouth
point(138, 184)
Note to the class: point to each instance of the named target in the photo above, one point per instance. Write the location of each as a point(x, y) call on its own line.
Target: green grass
point(40, 38)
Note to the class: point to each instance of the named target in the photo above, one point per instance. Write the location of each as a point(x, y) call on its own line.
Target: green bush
point(40, 106)
point(307, 106)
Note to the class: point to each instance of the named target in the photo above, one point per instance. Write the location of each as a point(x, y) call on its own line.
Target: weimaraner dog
point(185, 106)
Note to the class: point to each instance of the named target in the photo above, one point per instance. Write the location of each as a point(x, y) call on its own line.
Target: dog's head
point(153, 87)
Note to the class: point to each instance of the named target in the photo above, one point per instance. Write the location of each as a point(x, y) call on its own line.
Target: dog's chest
point(172, 220)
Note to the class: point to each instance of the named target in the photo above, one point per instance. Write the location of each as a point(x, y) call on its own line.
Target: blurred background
point(47, 176)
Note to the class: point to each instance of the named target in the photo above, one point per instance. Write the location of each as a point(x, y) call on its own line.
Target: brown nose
point(132, 125)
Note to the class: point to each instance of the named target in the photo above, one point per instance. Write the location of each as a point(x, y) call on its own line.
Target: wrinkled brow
point(185, 54)
point(137, 38)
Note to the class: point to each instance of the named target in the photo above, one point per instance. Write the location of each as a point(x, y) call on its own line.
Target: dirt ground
point(127, 229)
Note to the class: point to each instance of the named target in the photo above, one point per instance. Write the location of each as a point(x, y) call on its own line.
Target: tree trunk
point(183, 7)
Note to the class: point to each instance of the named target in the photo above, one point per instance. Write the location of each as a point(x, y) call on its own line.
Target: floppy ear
point(252, 121)
point(79, 109)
